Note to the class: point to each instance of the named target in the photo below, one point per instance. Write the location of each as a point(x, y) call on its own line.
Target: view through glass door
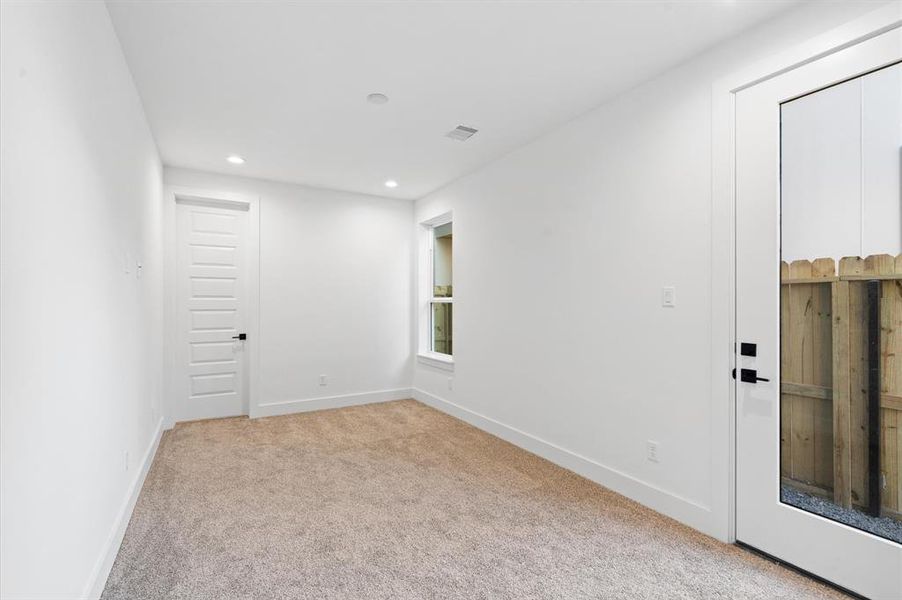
point(819, 317)
point(841, 303)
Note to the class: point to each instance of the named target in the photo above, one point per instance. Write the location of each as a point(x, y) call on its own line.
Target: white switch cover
point(668, 296)
point(652, 451)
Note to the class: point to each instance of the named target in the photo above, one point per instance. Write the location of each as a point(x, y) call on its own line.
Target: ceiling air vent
point(461, 133)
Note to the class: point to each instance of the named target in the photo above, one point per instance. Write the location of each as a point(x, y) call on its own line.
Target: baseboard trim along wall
point(682, 509)
point(104, 563)
point(287, 407)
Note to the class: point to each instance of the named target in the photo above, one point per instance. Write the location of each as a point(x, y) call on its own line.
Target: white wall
point(335, 290)
point(561, 250)
point(840, 154)
point(80, 348)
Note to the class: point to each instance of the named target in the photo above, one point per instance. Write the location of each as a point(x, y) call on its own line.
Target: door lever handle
point(240, 336)
point(750, 376)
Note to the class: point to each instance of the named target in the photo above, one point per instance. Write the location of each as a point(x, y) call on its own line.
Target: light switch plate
point(668, 297)
point(651, 451)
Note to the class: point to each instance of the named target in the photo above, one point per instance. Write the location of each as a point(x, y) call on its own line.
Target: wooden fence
point(824, 378)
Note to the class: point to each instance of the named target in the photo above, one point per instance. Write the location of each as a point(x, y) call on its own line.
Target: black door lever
point(240, 336)
point(750, 376)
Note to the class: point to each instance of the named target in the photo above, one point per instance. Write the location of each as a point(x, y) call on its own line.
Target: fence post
point(874, 491)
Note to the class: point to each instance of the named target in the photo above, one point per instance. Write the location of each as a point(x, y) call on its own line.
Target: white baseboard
point(287, 407)
point(104, 563)
point(682, 509)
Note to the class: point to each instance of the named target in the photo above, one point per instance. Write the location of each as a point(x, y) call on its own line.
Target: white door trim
point(723, 231)
point(172, 196)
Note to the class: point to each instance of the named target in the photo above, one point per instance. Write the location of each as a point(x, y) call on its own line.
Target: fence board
point(822, 376)
point(890, 449)
point(785, 367)
point(891, 386)
point(842, 410)
point(799, 355)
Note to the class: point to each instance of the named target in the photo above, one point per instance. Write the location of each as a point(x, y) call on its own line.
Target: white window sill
point(434, 359)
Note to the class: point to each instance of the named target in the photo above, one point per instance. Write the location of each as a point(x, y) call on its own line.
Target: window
point(442, 303)
point(436, 293)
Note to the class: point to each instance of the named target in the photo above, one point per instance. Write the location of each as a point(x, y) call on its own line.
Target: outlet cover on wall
point(323, 380)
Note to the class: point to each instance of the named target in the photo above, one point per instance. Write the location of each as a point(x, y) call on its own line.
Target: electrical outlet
point(652, 451)
point(126, 460)
point(323, 380)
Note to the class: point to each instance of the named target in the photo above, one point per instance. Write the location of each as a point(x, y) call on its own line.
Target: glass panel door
point(818, 311)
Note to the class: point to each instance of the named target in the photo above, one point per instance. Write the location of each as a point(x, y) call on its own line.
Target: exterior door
point(808, 449)
point(211, 305)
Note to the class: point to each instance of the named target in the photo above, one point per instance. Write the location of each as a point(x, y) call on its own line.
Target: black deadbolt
point(747, 349)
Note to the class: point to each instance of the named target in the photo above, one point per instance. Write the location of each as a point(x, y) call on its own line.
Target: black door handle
point(240, 336)
point(750, 376)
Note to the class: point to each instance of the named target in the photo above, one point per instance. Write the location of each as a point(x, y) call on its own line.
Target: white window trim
point(436, 360)
point(425, 355)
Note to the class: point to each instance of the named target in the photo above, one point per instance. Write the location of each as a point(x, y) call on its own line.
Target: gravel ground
point(885, 527)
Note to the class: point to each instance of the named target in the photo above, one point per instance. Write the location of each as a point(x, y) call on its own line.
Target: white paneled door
point(212, 290)
point(792, 466)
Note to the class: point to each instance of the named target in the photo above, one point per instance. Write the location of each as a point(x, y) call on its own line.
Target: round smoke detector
point(377, 98)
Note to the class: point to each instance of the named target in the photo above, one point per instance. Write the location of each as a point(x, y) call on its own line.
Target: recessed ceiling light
point(235, 159)
point(391, 183)
point(377, 98)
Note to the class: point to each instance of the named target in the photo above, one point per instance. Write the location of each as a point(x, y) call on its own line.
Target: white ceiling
point(284, 84)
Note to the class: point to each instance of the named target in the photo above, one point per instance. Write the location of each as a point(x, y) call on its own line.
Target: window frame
point(426, 354)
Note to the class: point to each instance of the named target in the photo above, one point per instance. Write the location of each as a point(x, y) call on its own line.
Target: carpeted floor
point(397, 500)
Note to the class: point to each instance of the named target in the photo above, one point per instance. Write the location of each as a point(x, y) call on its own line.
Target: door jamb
point(723, 233)
point(172, 196)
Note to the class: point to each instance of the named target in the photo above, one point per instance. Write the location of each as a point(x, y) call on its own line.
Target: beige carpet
point(398, 500)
